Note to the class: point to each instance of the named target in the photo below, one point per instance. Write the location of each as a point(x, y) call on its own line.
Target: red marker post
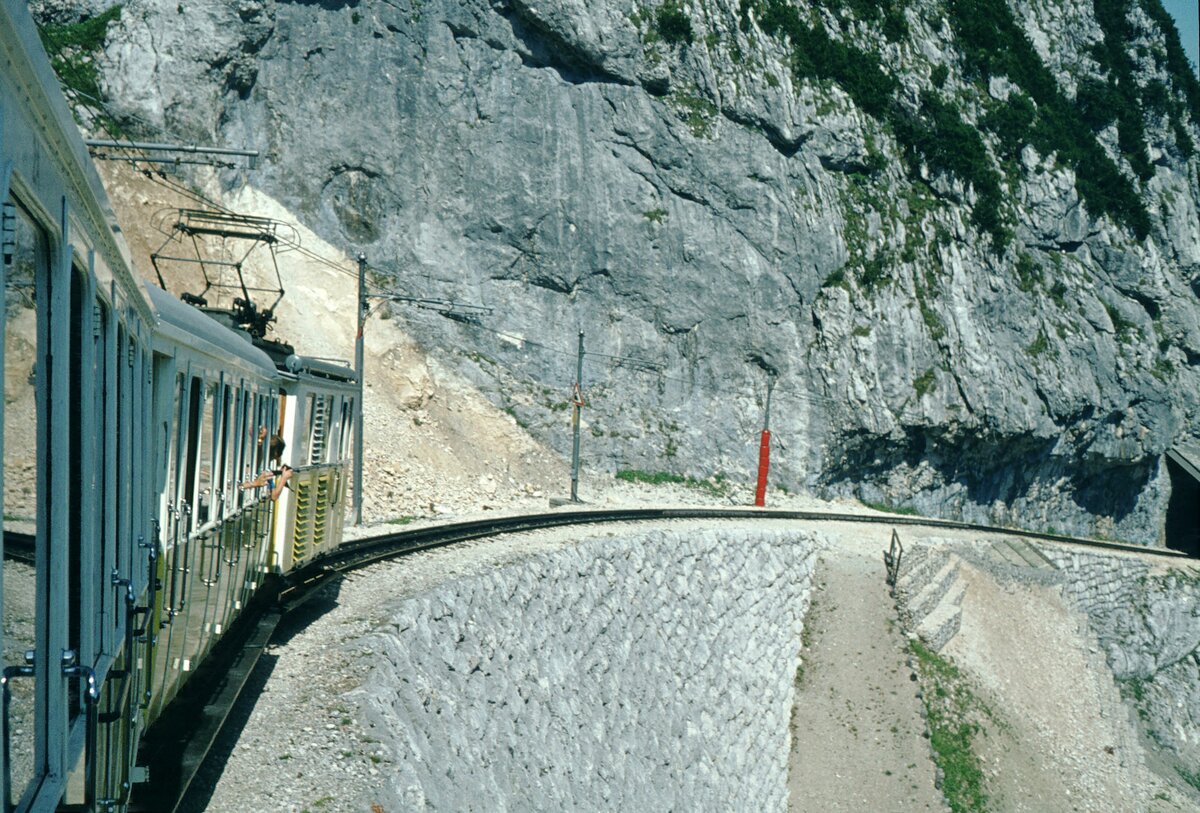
point(764, 451)
point(764, 463)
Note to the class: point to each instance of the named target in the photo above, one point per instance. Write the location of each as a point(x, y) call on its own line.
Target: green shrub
point(656, 478)
point(925, 382)
point(1011, 122)
point(672, 23)
point(1028, 273)
point(888, 508)
point(874, 274)
point(816, 56)
point(933, 322)
point(1038, 346)
point(1191, 777)
point(1178, 67)
point(71, 49)
point(698, 112)
point(715, 485)
point(1120, 323)
point(890, 12)
point(939, 137)
point(994, 45)
point(836, 279)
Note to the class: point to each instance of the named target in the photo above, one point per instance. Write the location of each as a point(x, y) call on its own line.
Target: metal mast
point(575, 419)
point(358, 369)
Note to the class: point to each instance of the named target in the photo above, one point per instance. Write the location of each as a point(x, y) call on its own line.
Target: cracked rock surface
point(697, 206)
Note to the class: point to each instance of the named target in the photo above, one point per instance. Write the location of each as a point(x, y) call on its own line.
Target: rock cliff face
point(963, 236)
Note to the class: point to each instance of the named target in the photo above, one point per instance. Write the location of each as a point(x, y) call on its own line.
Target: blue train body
point(130, 421)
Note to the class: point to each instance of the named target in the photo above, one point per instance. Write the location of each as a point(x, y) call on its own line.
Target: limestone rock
point(708, 216)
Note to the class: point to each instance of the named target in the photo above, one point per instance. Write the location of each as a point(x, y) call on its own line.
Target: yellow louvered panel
point(321, 512)
point(303, 526)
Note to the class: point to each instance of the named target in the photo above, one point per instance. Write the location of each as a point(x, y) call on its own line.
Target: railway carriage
point(317, 414)
point(214, 391)
point(130, 419)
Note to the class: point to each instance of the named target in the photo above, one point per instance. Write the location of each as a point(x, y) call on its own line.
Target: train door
point(54, 617)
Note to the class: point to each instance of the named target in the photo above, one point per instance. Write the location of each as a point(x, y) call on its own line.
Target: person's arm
point(281, 481)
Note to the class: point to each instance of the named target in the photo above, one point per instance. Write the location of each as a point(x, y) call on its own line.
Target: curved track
point(354, 555)
point(19, 546)
point(230, 664)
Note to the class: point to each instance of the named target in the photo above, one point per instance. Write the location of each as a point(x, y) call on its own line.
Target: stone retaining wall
point(1147, 618)
point(648, 672)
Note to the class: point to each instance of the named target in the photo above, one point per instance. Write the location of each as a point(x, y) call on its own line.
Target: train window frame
point(105, 481)
point(277, 404)
point(175, 429)
point(240, 469)
point(222, 428)
point(42, 264)
point(348, 427)
point(194, 403)
point(317, 453)
point(81, 548)
point(206, 455)
point(262, 419)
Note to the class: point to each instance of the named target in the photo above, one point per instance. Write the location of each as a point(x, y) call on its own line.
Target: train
point(161, 463)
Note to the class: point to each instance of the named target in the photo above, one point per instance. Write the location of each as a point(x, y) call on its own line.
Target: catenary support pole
point(577, 398)
point(358, 369)
point(764, 451)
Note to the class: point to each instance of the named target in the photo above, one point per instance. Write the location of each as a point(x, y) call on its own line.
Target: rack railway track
point(184, 735)
point(354, 555)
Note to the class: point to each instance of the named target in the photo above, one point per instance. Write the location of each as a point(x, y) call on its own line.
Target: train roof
point(184, 325)
point(321, 368)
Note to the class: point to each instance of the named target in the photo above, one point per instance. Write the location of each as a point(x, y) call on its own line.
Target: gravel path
point(857, 726)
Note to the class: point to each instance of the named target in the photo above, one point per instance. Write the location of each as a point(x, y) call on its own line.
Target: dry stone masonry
point(648, 671)
point(1147, 618)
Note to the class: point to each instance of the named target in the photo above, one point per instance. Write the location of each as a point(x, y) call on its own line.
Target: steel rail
point(354, 555)
point(20, 547)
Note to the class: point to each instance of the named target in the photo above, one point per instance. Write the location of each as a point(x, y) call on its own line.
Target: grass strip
point(953, 713)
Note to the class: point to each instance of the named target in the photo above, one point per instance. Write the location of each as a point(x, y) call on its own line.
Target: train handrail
point(11, 672)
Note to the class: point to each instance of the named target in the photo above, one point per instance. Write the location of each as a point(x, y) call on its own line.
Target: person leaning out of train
point(274, 479)
point(272, 451)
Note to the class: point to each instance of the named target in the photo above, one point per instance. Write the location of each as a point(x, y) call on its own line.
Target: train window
point(224, 448)
point(230, 428)
point(243, 455)
point(282, 404)
point(174, 424)
point(347, 427)
point(195, 395)
point(81, 521)
point(343, 427)
point(204, 477)
point(260, 446)
point(25, 326)
point(123, 432)
point(105, 480)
